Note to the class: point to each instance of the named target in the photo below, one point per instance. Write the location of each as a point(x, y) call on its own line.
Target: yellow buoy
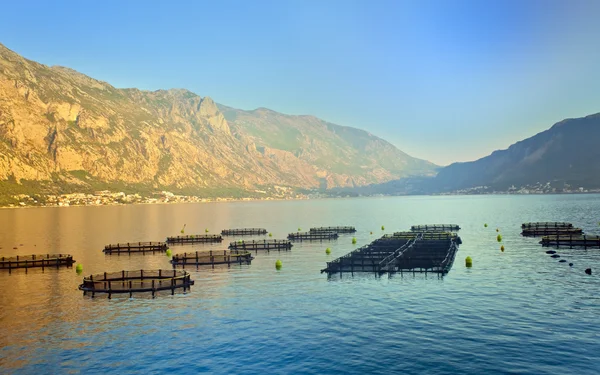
point(497, 230)
point(468, 262)
point(206, 230)
point(485, 225)
point(499, 238)
point(328, 251)
point(299, 229)
point(270, 234)
point(79, 268)
point(278, 264)
point(183, 229)
point(371, 233)
point(169, 252)
point(382, 227)
point(502, 248)
point(353, 240)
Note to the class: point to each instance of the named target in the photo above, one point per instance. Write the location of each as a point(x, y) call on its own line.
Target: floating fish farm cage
point(135, 247)
point(333, 229)
point(195, 238)
point(212, 258)
point(256, 245)
point(585, 241)
point(313, 236)
point(546, 224)
point(36, 260)
point(435, 228)
point(243, 232)
point(136, 282)
point(401, 252)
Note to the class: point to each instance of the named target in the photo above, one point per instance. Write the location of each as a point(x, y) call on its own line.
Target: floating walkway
point(313, 236)
point(191, 239)
point(402, 253)
point(547, 231)
point(243, 232)
point(135, 247)
point(36, 260)
point(212, 258)
point(333, 229)
point(136, 282)
point(546, 224)
point(435, 228)
point(261, 245)
point(571, 241)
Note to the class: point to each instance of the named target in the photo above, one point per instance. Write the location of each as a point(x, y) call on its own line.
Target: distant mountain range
point(62, 131)
point(566, 155)
point(568, 152)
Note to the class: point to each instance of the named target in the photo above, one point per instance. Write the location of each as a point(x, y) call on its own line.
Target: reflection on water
point(518, 311)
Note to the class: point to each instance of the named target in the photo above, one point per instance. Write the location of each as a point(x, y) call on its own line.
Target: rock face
point(59, 125)
point(568, 152)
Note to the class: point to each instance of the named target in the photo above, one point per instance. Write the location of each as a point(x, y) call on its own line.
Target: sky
point(445, 81)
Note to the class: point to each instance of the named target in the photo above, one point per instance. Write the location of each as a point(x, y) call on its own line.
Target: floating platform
point(36, 260)
point(435, 228)
point(195, 238)
point(543, 231)
point(399, 254)
point(243, 232)
point(571, 241)
point(136, 282)
point(313, 236)
point(333, 229)
point(212, 258)
point(261, 245)
point(546, 224)
point(135, 247)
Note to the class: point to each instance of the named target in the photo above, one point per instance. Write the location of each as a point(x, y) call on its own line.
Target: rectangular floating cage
point(402, 253)
point(435, 228)
point(261, 245)
point(546, 231)
point(195, 238)
point(136, 282)
point(312, 236)
point(36, 260)
point(584, 241)
point(135, 247)
point(546, 224)
point(333, 229)
point(212, 258)
point(243, 232)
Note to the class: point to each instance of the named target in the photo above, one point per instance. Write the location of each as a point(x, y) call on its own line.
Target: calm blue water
point(514, 312)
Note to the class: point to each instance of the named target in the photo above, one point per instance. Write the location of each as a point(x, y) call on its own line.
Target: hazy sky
point(442, 80)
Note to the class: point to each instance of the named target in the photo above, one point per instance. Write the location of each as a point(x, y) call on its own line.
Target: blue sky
point(443, 80)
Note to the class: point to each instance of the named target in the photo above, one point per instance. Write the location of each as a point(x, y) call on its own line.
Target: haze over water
point(514, 312)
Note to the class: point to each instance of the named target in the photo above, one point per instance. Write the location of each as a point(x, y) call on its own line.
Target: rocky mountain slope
point(66, 130)
point(568, 152)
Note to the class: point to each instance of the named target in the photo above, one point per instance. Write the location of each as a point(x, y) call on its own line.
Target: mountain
point(63, 131)
point(568, 152)
point(342, 156)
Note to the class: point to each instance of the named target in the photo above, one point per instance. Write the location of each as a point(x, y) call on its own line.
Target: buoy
point(192, 236)
point(562, 261)
point(555, 256)
point(371, 233)
point(485, 225)
point(299, 229)
point(206, 230)
point(502, 248)
point(382, 227)
point(183, 229)
point(550, 252)
point(353, 240)
point(499, 238)
point(468, 262)
point(588, 271)
point(328, 251)
point(169, 252)
point(79, 268)
point(570, 264)
point(278, 264)
point(240, 242)
point(497, 230)
point(270, 234)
